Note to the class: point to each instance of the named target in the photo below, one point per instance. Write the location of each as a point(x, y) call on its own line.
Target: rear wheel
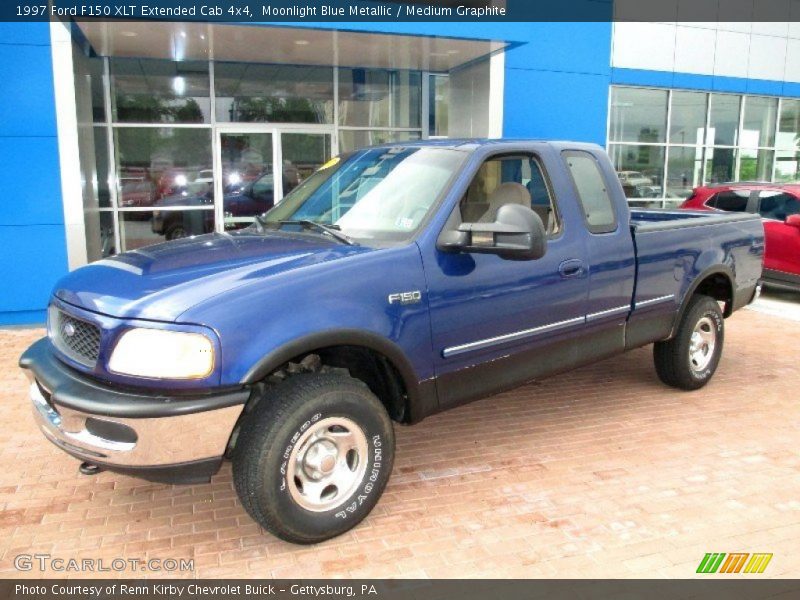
point(313, 457)
point(690, 358)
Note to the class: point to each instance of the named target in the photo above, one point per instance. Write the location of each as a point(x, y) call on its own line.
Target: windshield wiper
point(331, 230)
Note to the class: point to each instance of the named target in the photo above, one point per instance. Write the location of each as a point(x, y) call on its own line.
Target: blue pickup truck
point(395, 282)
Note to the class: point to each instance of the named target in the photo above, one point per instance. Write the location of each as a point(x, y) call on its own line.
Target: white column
point(497, 67)
point(68, 153)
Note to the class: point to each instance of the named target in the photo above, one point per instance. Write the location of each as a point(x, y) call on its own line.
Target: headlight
point(160, 354)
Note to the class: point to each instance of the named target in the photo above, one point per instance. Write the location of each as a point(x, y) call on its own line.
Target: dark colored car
point(240, 204)
point(779, 208)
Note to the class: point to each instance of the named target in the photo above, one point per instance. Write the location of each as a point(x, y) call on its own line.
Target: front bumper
point(176, 439)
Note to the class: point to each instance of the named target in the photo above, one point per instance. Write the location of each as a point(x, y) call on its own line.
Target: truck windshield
point(381, 194)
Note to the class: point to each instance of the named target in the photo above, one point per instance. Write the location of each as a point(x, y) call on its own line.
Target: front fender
point(344, 302)
point(422, 397)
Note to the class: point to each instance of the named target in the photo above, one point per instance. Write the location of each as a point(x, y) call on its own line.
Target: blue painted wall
point(32, 239)
point(556, 89)
point(711, 83)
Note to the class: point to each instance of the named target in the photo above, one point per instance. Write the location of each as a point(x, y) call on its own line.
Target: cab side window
point(731, 201)
point(509, 180)
point(592, 192)
point(777, 205)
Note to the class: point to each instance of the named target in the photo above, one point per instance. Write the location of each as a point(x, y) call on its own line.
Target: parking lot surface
point(602, 472)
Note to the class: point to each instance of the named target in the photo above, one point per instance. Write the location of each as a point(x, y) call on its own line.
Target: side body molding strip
point(509, 337)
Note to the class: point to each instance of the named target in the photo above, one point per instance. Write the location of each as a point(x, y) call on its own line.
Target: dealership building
point(116, 135)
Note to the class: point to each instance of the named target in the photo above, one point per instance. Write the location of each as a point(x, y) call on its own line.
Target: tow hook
point(89, 469)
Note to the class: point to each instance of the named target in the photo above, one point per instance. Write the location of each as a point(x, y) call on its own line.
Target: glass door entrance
point(247, 184)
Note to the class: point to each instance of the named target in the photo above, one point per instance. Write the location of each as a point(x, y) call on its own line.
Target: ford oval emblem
point(69, 330)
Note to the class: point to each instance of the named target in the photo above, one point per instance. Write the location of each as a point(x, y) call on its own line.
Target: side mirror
point(793, 221)
point(517, 233)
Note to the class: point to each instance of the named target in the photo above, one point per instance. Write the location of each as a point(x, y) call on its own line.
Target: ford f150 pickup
point(393, 283)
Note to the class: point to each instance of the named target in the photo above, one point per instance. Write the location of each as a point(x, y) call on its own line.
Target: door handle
point(571, 268)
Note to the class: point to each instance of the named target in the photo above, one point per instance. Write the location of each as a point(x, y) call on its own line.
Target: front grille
point(76, 338)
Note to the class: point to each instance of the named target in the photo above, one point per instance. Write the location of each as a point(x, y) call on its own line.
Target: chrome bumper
point(133, 442)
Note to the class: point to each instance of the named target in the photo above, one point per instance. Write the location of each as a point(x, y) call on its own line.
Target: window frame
point(669, 194)
point(751, 205)
point(535, 158)
point(593, 229)
point(779, 191)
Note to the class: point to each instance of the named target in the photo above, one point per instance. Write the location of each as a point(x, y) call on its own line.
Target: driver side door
point(497, 323)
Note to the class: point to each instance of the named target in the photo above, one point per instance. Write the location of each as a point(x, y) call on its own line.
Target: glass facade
point(438, 103)
point(664, 143)
point(162, 129)
point(253, 93)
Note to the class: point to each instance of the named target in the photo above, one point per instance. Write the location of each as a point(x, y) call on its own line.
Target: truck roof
point(472, 144)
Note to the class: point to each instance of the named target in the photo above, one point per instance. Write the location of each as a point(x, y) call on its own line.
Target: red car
point(779, 207)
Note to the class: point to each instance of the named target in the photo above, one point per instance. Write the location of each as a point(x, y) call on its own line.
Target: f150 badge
point(405, 297)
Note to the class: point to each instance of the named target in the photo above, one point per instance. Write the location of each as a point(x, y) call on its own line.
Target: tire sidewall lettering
point(287, 452)
point(368, 483)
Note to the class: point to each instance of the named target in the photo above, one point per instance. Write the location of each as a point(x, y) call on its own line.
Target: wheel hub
point(320, 459)
point(702, 344)
point(327, 464)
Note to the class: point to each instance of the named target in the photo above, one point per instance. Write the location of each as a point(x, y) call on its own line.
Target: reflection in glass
point(95, 76)
point(159, 91)
point(137, 229)
point(638, 115)
point(720, 165)
point(247, 177)
point(273, 93)
point(380, 98)
point(438, 101)
point(787, 165)
point(101, 182)
point(723, 120)
point(684, 171)
point(640, 170)
point(158, 163)
point(303, 153)
point(789, 124)
point(374, 193)
point(353, 139)
point(755, 165)
point(99, 234)
point(758, 125)
point(688, 117)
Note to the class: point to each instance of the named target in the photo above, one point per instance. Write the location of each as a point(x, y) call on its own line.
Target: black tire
point(281, 420)
point(176, 232)
point(674, 359)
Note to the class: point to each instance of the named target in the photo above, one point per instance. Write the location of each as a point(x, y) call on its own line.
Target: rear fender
point(719, 269)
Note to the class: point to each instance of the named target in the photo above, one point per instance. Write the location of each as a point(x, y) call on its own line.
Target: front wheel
point(690, 358)
point(313, 457)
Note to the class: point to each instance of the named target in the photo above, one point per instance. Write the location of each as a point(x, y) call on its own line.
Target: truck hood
point(161, 282)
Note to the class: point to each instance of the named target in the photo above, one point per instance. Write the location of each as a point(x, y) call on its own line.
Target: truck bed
point(657, 219)
point(675, 248)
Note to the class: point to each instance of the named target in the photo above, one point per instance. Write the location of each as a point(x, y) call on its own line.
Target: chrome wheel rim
point(702, 344)
point(327, 464)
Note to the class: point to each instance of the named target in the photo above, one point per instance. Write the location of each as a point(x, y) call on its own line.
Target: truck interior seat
point(506, 193)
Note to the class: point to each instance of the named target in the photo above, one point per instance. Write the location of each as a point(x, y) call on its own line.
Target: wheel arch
point(419, 397)
point(716, 282)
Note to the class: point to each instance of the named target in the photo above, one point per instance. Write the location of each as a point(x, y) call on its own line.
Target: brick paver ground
point(598, 473)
